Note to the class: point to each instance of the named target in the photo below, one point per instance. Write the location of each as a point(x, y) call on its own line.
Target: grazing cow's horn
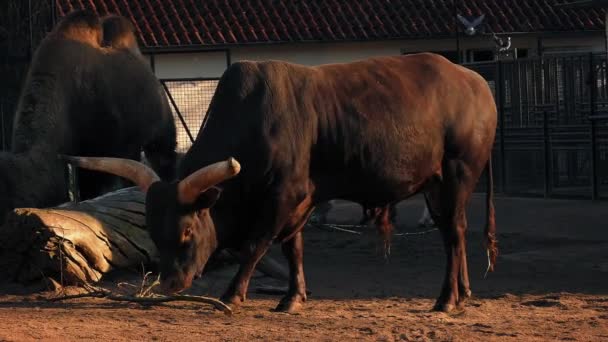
point(190, 187)
point(132, 170)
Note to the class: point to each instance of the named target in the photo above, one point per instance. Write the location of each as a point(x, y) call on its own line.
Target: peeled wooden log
point(77, 242)
point(80, 242)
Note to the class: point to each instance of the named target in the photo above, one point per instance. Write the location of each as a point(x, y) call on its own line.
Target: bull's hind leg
point(293, 249)
point(454, 193)
point(433, 205)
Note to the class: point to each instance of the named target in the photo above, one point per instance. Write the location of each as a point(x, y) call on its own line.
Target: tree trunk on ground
point(80, 242)
point(77, 242)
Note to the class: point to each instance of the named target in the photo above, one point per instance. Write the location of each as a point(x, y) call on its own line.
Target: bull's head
point(177, 213)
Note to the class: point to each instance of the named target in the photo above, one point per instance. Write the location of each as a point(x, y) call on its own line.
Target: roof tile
point(171, 23)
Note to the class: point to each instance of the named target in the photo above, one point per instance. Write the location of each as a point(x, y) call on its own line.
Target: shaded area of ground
point(551, 283)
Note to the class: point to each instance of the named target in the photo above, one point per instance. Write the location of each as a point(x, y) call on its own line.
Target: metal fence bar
point(592, 101)
point(500, 91)
point(547, 153)
point(2, 130)
point(551, 113)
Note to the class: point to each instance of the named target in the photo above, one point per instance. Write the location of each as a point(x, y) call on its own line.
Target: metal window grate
point(192, 98)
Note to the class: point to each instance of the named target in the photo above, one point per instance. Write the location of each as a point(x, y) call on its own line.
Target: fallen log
point(78, 243)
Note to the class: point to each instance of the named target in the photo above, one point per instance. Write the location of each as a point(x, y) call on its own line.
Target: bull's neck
point(225, 222)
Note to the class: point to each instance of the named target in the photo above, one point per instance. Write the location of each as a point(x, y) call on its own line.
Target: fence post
point(228, 58)
point(547, 152)
point(500, 90)
point(592, 100)
point(73, 191)
point(2, 133)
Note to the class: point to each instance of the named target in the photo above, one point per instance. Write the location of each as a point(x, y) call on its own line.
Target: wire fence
point(189, 99)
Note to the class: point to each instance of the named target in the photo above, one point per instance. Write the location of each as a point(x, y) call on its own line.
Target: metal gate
point(552, 136)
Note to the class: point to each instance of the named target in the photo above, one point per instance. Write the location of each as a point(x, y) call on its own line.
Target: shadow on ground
point(546, 246)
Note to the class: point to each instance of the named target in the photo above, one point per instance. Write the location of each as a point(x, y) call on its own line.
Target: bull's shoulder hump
point(242, 78)
point(267, 72)
point(243, 70)
point(259, 65)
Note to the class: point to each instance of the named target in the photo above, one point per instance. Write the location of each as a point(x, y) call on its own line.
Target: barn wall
point(595, 43)
point(190, 65)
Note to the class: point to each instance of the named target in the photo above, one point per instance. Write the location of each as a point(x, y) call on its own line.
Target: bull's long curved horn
point(190, 187)
point(132, 170)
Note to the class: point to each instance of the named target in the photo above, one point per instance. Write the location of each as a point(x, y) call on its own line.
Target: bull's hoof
point(443, 307)
point(233, 301)
point(465, 294)
point(290, 304)
point(449, 308)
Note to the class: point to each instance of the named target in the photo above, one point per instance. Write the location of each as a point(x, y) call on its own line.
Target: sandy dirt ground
point(551, 284)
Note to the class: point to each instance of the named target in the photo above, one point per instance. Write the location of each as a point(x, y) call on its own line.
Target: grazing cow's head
point(177, 214)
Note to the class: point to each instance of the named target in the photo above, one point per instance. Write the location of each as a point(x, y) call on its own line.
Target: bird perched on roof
point(471, 27)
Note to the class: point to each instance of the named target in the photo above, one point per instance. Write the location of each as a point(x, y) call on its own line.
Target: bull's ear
point(207, 198)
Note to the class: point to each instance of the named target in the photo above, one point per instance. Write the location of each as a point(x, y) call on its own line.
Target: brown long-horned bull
point(373, 132)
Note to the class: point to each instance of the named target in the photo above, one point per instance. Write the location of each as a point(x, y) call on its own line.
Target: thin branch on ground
point(143, 294)
point(151, 299)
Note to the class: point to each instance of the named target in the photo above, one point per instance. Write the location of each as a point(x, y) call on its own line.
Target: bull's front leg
point(250, 256)
point(278, 212)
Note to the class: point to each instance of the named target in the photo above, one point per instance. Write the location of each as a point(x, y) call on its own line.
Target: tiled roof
point(172, 23)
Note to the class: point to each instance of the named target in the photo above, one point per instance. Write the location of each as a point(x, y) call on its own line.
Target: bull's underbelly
point(374, 188)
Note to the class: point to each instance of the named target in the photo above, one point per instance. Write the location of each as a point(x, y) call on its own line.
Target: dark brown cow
point(373, 132)
point(90, 92)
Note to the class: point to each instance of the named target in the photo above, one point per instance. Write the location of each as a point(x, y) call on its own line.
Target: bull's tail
point(490, 230)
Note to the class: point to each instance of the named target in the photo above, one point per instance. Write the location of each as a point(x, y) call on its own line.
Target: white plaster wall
point(190, 65)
